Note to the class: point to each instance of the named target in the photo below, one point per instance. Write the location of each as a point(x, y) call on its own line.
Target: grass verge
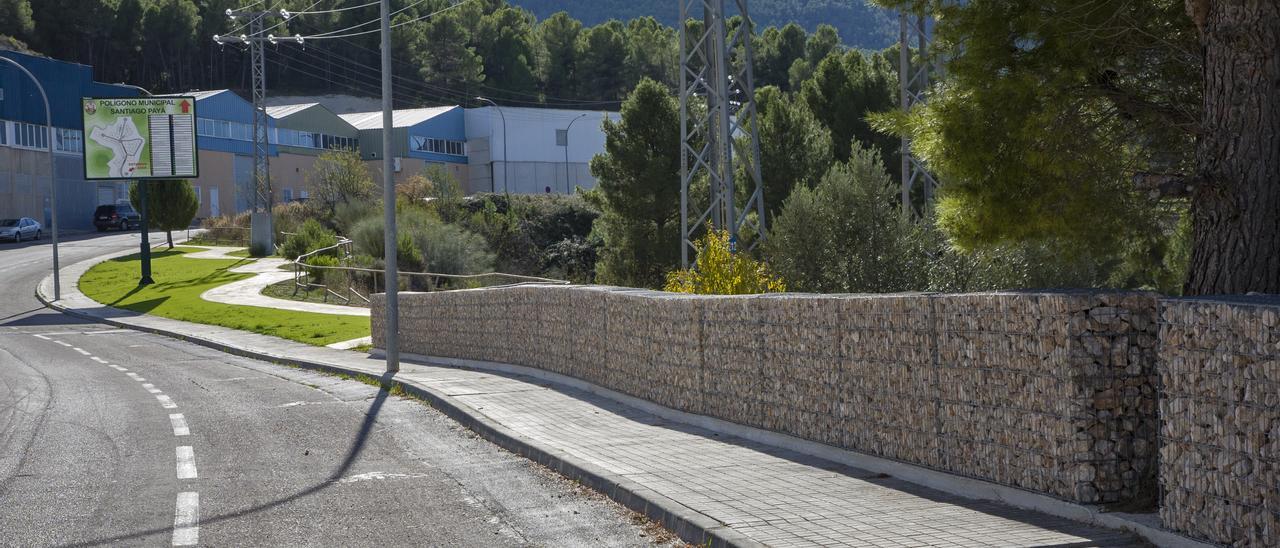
point(176, 295)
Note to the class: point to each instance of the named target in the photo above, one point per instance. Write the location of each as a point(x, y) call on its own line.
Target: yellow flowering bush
point(719, 271)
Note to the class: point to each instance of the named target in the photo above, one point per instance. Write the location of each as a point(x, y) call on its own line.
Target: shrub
point(227, 228)
point(722, 272)
point(847, 234)
point(288, 218)
point(318, 275)
point(310, 237)
point(424, 243)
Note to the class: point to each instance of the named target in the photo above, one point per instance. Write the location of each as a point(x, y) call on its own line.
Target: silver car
point(17, 230)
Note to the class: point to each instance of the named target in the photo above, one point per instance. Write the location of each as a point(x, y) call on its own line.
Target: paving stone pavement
point(770, 495)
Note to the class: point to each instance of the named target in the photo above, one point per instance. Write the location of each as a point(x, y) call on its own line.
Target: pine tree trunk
point(1236, 204)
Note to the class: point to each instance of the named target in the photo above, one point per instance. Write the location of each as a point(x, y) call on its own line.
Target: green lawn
point(176, 294)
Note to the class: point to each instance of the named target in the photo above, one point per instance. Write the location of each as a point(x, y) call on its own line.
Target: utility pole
point(709, 139)
point(262, 239)
point(913, 82)
point(392, 336)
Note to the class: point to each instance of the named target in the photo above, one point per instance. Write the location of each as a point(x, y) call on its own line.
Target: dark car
point(121, 216)
point(21, 229)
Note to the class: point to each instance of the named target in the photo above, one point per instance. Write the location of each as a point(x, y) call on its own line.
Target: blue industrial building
point(24, 142)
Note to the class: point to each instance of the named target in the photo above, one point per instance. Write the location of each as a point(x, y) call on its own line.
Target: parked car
point(17, 230)
point(121, 216)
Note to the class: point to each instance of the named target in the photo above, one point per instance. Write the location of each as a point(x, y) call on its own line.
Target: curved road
point(110, 436)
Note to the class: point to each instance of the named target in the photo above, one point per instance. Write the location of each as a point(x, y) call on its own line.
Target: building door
point(214, 210)
point(245, 191)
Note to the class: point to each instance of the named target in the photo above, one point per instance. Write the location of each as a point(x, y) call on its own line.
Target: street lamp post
point(567, 188)
point(53, 175)
point(506, 162)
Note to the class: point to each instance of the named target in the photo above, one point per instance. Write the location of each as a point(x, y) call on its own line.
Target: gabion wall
point(1051, 392)
point(1220, 414)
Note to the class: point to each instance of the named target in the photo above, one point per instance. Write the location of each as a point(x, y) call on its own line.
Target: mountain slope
point(860, 25)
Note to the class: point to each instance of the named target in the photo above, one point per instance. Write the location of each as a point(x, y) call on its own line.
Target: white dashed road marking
point(38, 336)
point(68, 345)
point(179, 425)
point(186, 520)
point(165, 402)
point(152, 388)
point(135, 376)
point(186, 462)
point(81, 350)
point(97, 359)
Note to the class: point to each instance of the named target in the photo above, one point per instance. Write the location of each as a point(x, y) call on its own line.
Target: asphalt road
point(115, 437)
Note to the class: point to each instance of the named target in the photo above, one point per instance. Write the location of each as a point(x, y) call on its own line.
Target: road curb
point(690, 525)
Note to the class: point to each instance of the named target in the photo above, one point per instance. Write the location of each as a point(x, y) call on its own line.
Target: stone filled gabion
point(1052, 392)
point(1220, 420)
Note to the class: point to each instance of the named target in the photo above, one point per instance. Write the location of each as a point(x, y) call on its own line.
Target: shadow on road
point(357, 446)
point(44, 319)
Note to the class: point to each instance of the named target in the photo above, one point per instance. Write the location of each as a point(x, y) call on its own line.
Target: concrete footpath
point(703, 482)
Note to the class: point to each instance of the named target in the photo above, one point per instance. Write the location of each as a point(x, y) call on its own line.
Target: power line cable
point(370, 22)
point(545, 100)
point(254, 17)
point(335, 10)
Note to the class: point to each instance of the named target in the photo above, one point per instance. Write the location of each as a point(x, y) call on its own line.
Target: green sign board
point(140, 138)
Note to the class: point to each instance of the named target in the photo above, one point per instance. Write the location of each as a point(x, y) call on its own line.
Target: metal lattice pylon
point(913, 81)
point(722, 138)
point(261, 157)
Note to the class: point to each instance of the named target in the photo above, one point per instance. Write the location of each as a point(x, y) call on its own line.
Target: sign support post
point(146, 231)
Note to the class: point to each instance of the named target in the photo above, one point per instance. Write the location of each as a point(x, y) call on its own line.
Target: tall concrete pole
point(53, 176)
point(392, 336)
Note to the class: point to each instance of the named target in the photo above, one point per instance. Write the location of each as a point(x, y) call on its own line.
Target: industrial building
point(490, 149)
point(533, 150)
point(25, 189)
point(420, 136)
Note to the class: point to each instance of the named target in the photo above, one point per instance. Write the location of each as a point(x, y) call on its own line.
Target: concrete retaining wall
point(1220, 431)
point(1051, 392)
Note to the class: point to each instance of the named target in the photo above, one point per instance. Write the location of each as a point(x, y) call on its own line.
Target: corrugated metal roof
point(281, 111)
point(400, 118)
point(199, 95)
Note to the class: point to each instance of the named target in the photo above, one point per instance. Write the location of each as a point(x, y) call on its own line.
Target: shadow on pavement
point(357, 446)
point(44, 319)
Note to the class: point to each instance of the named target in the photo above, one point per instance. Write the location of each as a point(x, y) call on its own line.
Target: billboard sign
point(140, 138)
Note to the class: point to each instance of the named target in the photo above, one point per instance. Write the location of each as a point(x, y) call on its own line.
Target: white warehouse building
point(538, 151)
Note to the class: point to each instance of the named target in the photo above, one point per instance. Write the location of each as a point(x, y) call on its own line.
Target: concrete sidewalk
point(701, 483)
point(266, 272)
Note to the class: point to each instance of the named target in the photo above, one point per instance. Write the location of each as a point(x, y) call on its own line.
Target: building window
point(562, 137)
point(69, 140)
point(30, 135)
point(302, 194)
point(288, 195)
point(4, 133)
point(438, 146)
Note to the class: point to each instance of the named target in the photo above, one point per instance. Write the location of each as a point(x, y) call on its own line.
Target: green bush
point(847, 234)
point(424, 243)
point(318, 275)
point(309, 237)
